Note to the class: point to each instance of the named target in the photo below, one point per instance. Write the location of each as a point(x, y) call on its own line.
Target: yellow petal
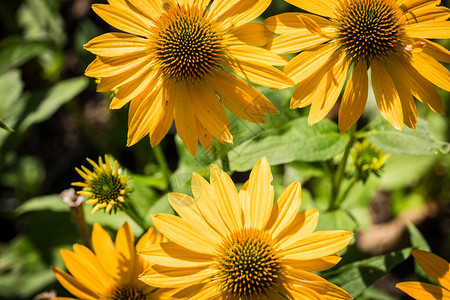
point(420, 87)
point(409, 5)
point(147, 84)
point(116, 44)
point(289, 23)
point(162, 114)
point(199, 291)
point(126, 253)
point(149, 238)
point(112, 82)
point(386, 95)
point(74, 286)
point(167, 277)
point(122, 19)
point(435, 14)
point(84, 271)
point(139, 118)
point(180, 232)
point(304, 223)
point(256, 55)
point(152, 9)
point(435, 267)
point(325, 8)
point(296, 41)
point(429, 30)
point(260, 194)
point(227, 198)
point(436, 51)
point(208, 204)
point(285, 209)
point(252, 34)
point(185, 120)
point(317, 245)
point(326, 289)
point(204, 136)
point(315, 265)
point(104, 250)
point(259, 73)
point(173, 255)
point(110, 66)
point(242, 99)
point(308, 62)
point(187, 209)
point(327, 91)
point(432, 70)
point(405, 94)
point(355, 97)
point(238, 12)
point(422, 291)
point(209, 111)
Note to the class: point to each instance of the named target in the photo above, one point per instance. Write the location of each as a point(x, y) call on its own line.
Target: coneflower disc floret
point(369, 28)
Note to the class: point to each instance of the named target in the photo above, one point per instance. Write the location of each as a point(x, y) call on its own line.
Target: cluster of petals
point(128, 63)
point(410, 68)
point(190, 260)
point(111, 268)
point(435, 267)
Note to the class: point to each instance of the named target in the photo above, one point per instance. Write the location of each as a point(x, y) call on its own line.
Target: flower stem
point(340, 172)
point(346, 191)
point(162, 162)
point(77, 213)
point(223, 155)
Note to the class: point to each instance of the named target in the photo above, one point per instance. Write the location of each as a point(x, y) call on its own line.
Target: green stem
point(162, 162)
point(340, 173)
point(136, 218)
point(346, 191)
point(223, 154)
point(77, 213)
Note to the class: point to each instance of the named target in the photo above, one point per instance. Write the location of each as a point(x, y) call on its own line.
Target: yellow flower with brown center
point(227, 244)
point(435, 267)
point(106, 187)
point(346, 38)
point(112, 271)
point(174, 60)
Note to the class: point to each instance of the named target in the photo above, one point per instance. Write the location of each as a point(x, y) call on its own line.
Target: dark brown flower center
point(248, 264)
point(369, 28)
point(127, 292)
point(187, 45)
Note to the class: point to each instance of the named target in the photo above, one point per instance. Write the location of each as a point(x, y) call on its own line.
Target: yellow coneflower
point(172, 63)
point(435, 267)
point(112, 271)
point(230, 245)
point(368, 159)
point(350, 36)
point(106, 187)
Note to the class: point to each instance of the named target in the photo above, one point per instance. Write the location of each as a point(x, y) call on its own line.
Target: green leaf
point(11, 87)
point(49, 202)
point(14, 51)
point(296, 140)
point(418, 242)
point(339, 219)
point(61, 93)
point(4, 126)
point(356, 277)
point(417, 239)
point(414, 142)
point(405, 170)
point(30, 283)
point(40, 20)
